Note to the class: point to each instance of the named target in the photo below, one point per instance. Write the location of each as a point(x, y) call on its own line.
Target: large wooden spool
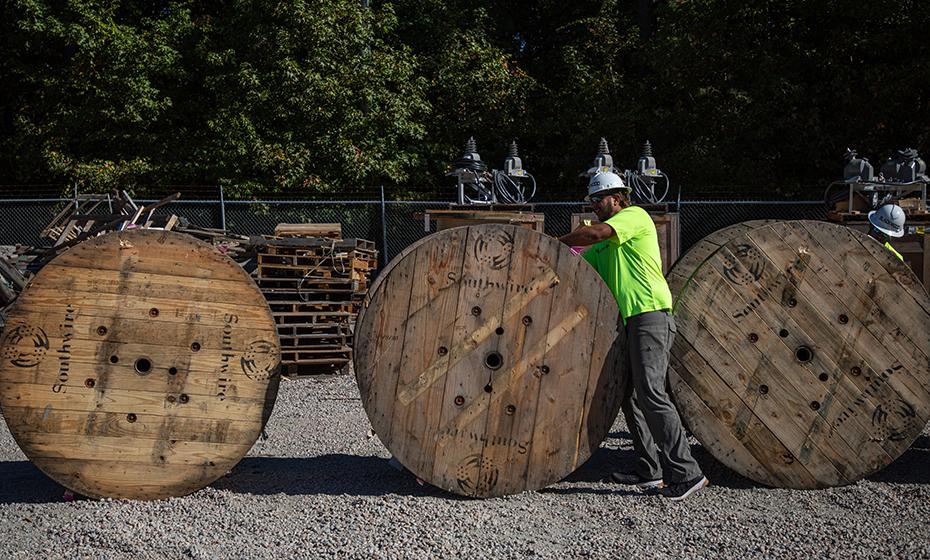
point(140, 364)
point(488, 359)
point(803, 355)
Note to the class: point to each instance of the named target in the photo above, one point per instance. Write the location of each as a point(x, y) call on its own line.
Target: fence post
point(222, 210)
point(384, 239)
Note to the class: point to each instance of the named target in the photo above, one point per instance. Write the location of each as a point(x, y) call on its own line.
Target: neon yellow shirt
point(890, 248)
point(630, 263)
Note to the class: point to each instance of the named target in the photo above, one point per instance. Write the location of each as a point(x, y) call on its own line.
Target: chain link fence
point(392, 225)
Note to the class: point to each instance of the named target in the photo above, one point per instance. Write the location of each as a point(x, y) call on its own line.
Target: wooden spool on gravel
point(803, 356)
point(140, 364)
point(488, 359)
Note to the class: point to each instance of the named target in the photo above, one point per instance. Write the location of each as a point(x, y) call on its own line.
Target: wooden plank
point(432, 312)
point(97, 477)
point(308, 230)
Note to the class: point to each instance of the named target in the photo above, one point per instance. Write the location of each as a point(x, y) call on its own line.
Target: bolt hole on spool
point(510, 409)
point(488, 388)
point(130, 417)
point(783, 333)
point(89, 383)
point(101, 330)
point(114, 359)
point(493, 360)
point(172, 371)
point(764, 389)
point(143, 366)
point(195, 346)
point(459, 400)
point(804, 354)
point(792, 302)
point(476, 311)
point(815, 405)
point(823, 377)
point(527, 320)
point(499, 330)
point(843, 319)
point(753, 338)
point(443, 350)
point(153, 312)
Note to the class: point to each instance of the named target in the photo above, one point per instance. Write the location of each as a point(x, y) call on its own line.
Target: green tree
point(252, 94)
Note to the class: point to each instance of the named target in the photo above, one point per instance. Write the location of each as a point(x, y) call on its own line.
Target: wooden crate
point(451, 218)
point(667, 228)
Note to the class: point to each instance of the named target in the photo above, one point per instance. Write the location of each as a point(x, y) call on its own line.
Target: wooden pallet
point(314, 288)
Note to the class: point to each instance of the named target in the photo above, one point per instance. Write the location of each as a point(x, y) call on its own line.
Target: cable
point(644, 189)
point(511, 191)
point(330, 254)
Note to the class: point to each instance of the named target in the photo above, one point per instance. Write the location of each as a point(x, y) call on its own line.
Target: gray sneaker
point(681, 490)
point(633, 479)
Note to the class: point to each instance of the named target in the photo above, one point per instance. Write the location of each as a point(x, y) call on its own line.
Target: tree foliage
point(312, 96)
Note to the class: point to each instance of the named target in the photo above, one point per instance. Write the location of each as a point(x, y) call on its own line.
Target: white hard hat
point(606, 181)
point(889, 219)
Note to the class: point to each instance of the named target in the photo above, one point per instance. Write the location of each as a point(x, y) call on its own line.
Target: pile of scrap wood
point(89, 215)
point(314, 281)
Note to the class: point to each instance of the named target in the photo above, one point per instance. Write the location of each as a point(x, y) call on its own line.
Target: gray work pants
point(650, 415)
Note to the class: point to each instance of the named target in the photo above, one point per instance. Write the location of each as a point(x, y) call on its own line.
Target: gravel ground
point(320, 487)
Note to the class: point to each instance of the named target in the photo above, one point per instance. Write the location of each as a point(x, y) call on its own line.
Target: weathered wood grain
point(139, 364)
point(487, 359)
point(812, 334)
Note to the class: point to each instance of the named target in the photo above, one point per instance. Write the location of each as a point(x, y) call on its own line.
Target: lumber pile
point(314, 286)
point(91, 215)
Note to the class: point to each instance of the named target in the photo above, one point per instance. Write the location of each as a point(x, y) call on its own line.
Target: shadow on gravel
point(327, 474)
point(23, 483)
point(605, 461)
point(910, 468)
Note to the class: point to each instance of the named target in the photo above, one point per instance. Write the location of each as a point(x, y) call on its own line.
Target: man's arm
point(587, 235)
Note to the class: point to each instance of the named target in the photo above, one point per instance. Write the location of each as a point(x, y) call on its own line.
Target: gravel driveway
point(319, 486)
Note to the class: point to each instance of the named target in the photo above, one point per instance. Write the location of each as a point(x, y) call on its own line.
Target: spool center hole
point(493, 360)
point(804, 354)
point(143, 366)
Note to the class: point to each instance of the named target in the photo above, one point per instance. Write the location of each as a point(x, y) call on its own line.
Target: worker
point(887, 221)
point(624, 249)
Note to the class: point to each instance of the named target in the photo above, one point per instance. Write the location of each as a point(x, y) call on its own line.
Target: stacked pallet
point(314, 286)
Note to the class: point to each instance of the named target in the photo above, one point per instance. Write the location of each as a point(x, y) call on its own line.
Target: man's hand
point(587, 235)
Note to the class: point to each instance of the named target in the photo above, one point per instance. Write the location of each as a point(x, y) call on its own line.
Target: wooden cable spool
point(488, 359)
point(139, 364)
point(803, 356)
